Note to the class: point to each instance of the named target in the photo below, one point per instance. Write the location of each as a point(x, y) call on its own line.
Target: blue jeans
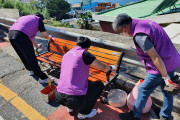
point(151, 82)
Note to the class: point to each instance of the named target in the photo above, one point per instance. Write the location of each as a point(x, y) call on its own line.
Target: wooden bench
point(58, 47)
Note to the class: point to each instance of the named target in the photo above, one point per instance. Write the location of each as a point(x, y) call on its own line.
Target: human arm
point(45, 35)
point(35, 44)
point(143, 41)
point(98, 64)
point(43, 30)
point(90, 59)
point(157, 61)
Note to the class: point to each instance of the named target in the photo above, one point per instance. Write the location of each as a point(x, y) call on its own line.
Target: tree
point(25, 10)
point(1, 3)
point(45, 13)
point(34, 4)
point(42, 4)
point(19, 6)
point(83, 23)
point(57, 8)
point(8, 4)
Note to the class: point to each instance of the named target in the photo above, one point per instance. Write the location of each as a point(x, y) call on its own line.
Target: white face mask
point(125, 30)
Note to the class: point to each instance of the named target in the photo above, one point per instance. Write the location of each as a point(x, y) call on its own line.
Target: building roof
point(142, 9)
point(173, 31)
point(76, 5)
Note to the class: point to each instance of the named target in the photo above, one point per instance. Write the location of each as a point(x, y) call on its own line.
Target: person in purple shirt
point(21, 36)
point(160, 58)
point(73, 90)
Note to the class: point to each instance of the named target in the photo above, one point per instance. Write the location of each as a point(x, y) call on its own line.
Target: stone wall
point(9, 13)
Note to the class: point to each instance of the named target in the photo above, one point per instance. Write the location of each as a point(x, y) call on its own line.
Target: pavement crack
point(12, 73)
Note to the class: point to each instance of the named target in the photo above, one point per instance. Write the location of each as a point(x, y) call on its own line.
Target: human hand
point(50, 37)
point(113, 67)
point(169, 84)
point(39, 45)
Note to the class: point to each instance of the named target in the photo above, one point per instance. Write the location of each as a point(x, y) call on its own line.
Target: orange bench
point(58, 47)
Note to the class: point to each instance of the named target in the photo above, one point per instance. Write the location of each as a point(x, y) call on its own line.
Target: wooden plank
point(61, 48)
point(49, 62)
point(92, 79)
point(52, 58)
point(108, 62)
point(106, 51)
point(58, 41)
point(104, 55)
point(98, 72)
point(61, 44)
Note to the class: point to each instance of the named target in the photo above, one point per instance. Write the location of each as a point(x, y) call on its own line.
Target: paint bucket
point(117, 97)
point(48, 92)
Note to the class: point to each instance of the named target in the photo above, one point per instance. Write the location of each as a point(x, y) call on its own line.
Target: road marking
point(20, 104)
point(1, 118)
point(26, 109)
point(6, 92)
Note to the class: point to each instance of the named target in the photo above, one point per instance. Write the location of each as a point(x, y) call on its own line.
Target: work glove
point(38, 49)
point(170, 86)
point(50, 37)
point(113, 68)
point(39, 45)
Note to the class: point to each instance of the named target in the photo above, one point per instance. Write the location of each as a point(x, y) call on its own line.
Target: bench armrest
point(117, 71)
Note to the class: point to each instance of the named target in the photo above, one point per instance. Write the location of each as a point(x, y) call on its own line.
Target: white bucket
point(117, 97)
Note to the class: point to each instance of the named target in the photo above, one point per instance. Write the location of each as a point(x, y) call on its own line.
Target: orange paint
point(48, 93)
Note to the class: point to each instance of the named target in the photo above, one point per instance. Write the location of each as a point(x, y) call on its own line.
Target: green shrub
point(55, 23)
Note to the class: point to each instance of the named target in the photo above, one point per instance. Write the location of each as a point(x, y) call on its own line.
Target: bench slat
point(106, 61)
point(49, 62)
point(105, 56)
point(60, 48)
point(57, 40)
point(93, 79)
point(105, 51)
point(53, 57)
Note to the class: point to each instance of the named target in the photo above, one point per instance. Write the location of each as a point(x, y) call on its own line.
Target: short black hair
point(39, 15)
point(83, 42)
point(121, 20)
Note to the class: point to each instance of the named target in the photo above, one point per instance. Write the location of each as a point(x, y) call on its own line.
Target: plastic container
point(48, 92)
point(117, 97)
point(131, 98)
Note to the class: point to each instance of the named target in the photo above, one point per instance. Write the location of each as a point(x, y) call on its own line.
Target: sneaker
point(90, 115)
point(31, 73)
point(128, 116)
point(165, 118)
point(45, 80)
point(69, 109)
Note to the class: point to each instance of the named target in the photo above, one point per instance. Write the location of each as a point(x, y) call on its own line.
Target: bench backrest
point(61, 46)
point(109, 57)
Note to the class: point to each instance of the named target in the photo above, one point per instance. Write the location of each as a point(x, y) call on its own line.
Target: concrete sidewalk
point(16, 79)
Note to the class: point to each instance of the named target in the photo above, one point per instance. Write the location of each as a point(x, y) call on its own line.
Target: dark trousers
point(24, 48)
point(84, 103)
